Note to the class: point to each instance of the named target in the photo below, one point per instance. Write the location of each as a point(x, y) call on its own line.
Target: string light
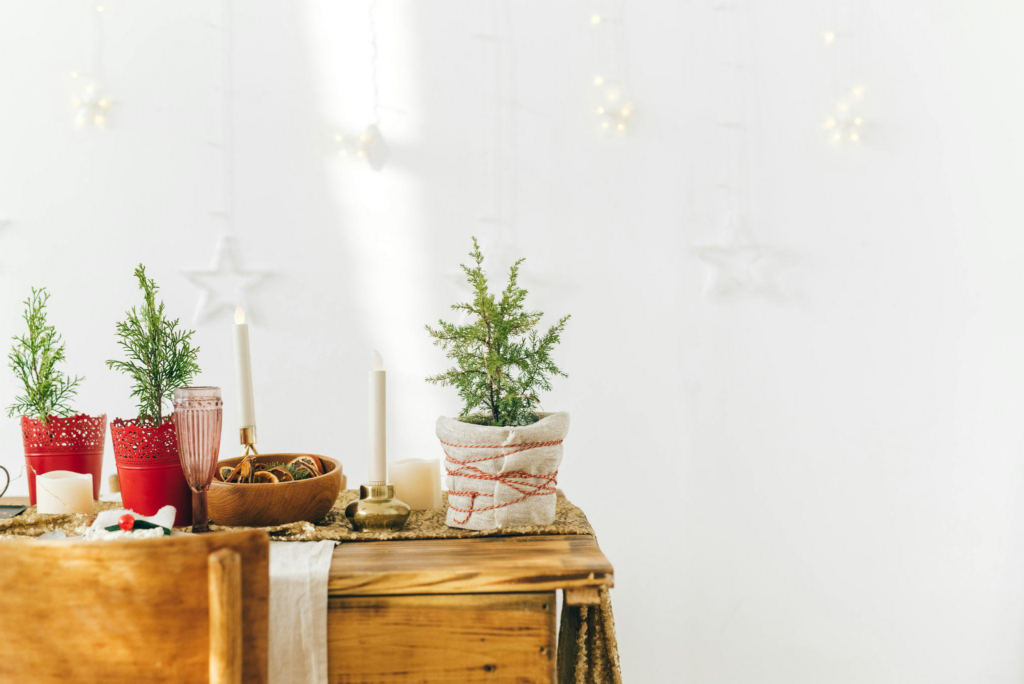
point(845, 126)
point(90, 108)
point(612, 117)
point(609, 102)
point(368, 145)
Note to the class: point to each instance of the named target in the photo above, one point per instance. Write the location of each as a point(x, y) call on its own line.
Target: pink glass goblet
point(198, 423)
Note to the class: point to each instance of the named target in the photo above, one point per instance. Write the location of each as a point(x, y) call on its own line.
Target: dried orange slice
point(225, 473)
point(264, 476)
point(281, 474)
point(242, 472)
point(311, 462)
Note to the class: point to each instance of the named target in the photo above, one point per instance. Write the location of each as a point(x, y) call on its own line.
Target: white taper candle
point(243, 372)
point(378, 422)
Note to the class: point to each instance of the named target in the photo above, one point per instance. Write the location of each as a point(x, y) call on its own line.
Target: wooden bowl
point(264, 504)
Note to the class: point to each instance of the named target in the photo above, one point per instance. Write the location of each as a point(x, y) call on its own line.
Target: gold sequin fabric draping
point(587, 649)
point(334, 527)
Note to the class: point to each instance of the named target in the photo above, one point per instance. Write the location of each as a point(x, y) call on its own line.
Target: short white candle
point(378, 422)
point(62, 492)
point(417, 482)
point(243, 372)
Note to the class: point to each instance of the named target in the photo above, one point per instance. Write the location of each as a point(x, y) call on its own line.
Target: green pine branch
point(160, 355)
point(502, 362)
point(34, 359)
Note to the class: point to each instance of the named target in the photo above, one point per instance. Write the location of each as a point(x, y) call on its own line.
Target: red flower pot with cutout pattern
point(74, 443)
point(149, 469)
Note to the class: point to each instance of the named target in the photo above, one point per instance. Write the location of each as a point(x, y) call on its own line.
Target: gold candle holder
point(377, 509)
point(247, 438)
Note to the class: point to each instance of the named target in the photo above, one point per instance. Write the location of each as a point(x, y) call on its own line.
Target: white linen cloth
point(297, 641)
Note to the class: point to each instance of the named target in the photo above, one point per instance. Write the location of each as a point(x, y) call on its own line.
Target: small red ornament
point(126, 522)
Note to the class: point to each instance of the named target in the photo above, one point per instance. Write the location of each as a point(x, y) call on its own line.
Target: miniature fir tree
point(501, 361)
point(160, 355)
point(34, 360)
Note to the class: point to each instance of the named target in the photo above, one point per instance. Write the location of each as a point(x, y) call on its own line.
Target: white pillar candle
point(378, 423)
point(417, 482)
point(243, 372)
point(62, 491)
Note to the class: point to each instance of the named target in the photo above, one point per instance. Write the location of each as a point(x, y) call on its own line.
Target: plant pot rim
point(542, 416)
point(133, 424)
point(237, 459)
point(75, 417)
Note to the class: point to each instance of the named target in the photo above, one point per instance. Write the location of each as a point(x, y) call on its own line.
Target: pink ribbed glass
point(198, 423)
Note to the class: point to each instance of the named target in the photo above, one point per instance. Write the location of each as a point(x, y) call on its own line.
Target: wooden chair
point(180, 609)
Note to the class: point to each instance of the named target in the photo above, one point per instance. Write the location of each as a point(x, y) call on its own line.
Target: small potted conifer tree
point(501, 454)
point(159, 359)
point(55, 438)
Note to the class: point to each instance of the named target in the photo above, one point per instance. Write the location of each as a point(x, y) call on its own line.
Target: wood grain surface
point(482, 565)
point(468, 639)
point(260, 505)
point(225, 588)
point(124, 611)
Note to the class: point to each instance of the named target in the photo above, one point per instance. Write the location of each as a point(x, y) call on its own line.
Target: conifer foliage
point(501, 360)
point(160, 355)
point(34, 360)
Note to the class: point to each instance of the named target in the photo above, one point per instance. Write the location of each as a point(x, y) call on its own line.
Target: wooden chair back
point(189, 608)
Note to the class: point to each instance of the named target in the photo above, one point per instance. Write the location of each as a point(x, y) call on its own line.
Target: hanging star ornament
point(739, 265)
point(223, 285)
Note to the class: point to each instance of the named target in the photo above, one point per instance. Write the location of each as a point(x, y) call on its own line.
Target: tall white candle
point(62, 491)
point(378, 423)
point(417, 482)
point(243, 372)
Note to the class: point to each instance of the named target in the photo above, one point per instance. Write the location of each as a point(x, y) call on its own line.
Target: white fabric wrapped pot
point(502, 476)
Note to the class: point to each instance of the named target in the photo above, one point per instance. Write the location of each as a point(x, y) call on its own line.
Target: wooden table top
point(463, 566)
point(469, 566)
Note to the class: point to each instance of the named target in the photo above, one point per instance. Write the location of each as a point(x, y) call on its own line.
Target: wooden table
point(453, 610)
point(458, 610)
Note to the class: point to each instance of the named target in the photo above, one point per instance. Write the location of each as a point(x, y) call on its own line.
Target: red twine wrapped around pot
point(502, 476)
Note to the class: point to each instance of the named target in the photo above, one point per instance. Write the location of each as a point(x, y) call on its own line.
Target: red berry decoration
point(126, 522)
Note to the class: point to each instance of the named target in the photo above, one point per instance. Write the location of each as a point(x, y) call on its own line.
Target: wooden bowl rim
point(336, 471)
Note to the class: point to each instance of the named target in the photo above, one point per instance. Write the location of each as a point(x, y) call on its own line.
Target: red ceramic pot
point(149, 469)
point(74, 443)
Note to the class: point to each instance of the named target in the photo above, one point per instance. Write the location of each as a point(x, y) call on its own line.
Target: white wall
point(818, 486)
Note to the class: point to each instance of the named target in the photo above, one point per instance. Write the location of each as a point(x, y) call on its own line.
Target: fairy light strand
point(612, 108)
point(369, 145)
point(90, 104)
point(845, 124)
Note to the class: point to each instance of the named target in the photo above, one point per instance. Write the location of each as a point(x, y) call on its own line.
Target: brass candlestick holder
point(377, 509)
point(247, 438)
